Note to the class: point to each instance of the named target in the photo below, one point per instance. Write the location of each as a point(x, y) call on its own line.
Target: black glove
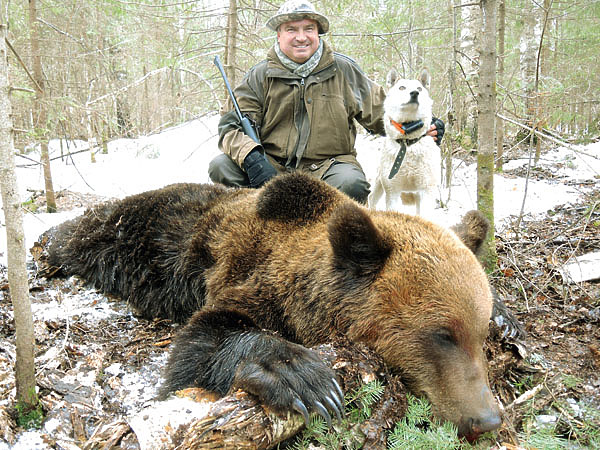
point(258, 168)
point(440, 127)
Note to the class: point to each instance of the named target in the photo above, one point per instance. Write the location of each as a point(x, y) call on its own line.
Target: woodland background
point(103, 69)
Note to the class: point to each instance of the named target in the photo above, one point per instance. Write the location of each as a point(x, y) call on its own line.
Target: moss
point(30, 415)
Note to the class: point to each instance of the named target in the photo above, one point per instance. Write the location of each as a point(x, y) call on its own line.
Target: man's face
point(299, 39)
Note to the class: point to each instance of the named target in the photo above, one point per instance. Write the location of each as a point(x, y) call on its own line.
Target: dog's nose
point(414, 95)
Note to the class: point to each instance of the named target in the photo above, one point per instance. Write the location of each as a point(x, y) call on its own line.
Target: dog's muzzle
point(414, 97)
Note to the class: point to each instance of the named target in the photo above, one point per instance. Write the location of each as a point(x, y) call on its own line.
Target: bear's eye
point(444, 338)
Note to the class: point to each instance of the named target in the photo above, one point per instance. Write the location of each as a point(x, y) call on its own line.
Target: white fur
point(419, 174)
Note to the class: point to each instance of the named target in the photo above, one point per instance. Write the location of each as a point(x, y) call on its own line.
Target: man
point(303, 99)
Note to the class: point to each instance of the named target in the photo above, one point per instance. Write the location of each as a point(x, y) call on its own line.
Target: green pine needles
point(343, 435)
point(419, 430)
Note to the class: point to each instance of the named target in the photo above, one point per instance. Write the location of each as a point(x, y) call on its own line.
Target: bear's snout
point(474, 427)
point(485, 416)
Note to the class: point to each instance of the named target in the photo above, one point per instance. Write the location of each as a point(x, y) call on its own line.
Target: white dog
point(407, 117)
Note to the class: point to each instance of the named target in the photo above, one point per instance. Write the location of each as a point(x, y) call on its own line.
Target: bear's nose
point(476, 426)
point(486, 423)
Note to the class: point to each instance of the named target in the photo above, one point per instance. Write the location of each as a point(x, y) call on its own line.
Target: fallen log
point(196, 419)
point(236, 421)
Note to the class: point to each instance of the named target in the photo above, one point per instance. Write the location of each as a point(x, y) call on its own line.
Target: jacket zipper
point(294, 155)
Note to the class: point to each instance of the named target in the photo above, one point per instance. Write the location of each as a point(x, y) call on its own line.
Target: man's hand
point(258, 168)
point(436, 130)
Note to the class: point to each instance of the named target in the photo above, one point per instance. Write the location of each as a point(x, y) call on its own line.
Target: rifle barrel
point(217, 62)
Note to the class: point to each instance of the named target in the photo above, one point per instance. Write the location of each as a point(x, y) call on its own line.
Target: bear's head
point(425, 306)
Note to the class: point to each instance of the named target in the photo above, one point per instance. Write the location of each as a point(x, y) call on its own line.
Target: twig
point(521, 212)
point(125, 88)
point(576, 149)
point(585, 225)
point(526, 396)
point(37, 163)
point(12, 49)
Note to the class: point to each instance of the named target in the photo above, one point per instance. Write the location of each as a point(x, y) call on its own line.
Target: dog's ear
point(425, 78)
point(391, 78)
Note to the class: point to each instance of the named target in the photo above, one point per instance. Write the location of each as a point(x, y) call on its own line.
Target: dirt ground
point(561, 319)
point(100, 363)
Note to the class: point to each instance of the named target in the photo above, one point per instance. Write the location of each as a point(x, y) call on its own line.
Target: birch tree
point(17, 272)
point(470, 33)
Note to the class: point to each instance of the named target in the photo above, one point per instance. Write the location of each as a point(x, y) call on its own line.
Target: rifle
point(244, 120)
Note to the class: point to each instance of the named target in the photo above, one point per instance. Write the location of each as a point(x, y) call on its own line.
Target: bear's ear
point(472, 230)
point(358, 246)
point(295, 197)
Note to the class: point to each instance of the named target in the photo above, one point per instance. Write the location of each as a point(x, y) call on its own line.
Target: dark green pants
point(343, 176)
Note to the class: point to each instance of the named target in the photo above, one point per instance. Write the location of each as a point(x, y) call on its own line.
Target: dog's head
point(407, 101)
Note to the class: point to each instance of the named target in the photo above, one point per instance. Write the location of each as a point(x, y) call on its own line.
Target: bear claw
point(338, 389)
point(338, 403)
point(298, 406)
point(322, 411)
point(334, 408)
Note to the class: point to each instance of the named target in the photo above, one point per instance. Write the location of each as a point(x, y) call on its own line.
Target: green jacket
point(304, 123)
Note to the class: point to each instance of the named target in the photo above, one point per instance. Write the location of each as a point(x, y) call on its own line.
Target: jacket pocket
point(331, 131)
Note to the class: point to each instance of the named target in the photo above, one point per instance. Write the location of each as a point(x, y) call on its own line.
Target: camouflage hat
point(297, 10)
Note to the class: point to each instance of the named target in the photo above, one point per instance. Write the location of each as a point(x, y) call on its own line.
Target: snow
point(568, 164)
point(150, 423)
point(29, 440)
point(179, 154)
point(182, 154)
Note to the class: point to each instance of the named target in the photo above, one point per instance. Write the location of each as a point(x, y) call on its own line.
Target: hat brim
point(323, 23)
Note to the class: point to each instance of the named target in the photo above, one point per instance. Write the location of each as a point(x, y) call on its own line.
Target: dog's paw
point(292, 378)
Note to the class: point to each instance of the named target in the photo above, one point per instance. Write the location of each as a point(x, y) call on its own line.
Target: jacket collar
point(276, 69)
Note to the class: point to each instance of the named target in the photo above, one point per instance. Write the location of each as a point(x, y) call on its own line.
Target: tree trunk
point(469, 37)
point(451, 122)
point(486, 119)
point(231, 42)
point(15, 238)
point(528, 47)
point(409, 43)
point(540, 121)
point(40, 106)
point(499, 121)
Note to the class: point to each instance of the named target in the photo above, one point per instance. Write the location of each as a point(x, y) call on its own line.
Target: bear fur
point(266, 273)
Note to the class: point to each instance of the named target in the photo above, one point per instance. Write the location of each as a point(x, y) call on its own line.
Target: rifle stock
point(244, 121)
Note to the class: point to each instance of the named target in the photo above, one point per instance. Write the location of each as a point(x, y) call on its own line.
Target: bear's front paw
point(289, 378)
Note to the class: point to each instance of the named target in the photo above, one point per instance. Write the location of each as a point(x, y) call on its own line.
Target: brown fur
point(297, 262)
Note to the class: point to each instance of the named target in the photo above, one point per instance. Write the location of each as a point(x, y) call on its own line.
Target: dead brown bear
point(270, 272)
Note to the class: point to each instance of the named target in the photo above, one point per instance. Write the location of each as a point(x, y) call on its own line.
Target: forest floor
point(97, 363)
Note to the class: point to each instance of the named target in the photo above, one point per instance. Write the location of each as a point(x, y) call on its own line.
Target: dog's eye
point(401, 88)
point(419, 89)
